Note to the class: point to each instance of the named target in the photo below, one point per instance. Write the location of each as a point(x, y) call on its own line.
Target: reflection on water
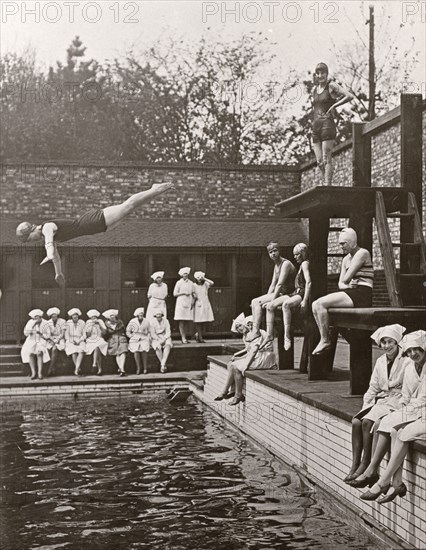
point(135, 472)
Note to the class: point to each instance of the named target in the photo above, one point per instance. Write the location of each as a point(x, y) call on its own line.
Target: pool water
point(139, 473)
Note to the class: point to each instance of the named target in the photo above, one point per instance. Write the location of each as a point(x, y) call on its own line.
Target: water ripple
point(139, 473)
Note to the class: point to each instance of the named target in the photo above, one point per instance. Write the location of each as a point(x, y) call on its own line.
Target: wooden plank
point(378, 124)
point(361, 156)
point(418, 233)
point(371, 318)
point(338, 202)
point(385, 242)
point(319, 365)
point(411, 146)
point(360, 362)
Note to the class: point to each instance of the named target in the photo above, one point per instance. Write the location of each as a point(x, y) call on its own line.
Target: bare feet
point(287, 343)
point(162, 187)
point(322, 347)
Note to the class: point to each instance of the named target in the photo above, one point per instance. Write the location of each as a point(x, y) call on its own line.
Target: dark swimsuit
point(323, 127)
point(88, 224)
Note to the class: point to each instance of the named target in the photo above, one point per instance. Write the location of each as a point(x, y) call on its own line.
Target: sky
point(303, 30)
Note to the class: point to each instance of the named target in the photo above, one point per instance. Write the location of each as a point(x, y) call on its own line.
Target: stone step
point(183, 357)
point(10, 359)
point(12, 369)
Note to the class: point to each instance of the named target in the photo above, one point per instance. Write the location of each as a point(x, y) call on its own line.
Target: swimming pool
point(139, 473)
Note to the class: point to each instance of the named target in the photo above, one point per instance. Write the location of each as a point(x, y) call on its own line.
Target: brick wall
point(45, 190)
point(319, 443)
point(385, 171)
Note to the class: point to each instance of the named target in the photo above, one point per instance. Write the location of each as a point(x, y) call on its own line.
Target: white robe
point(56, 333)
point(139, 335)
point(34, 342)
point(74, 333)
point(413, 401)
point(157, 295)
point(184, 310)
point(161, 334)
point(93, 338)
point(264, 357)
point(203, 312)
point(388, 391)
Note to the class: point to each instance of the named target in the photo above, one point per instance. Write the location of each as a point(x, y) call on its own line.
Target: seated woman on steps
point(382, 397)
point(55, 337)
point(260, 356)
point(92, 222)
point(302, 293)
point(94, 332)
point(34, 351)
point(161, 338)
point(413, 402)
point(138, 332)
point(74, 339)
point(116, 337)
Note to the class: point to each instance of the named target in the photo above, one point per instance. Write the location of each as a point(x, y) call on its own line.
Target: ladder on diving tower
point(409, 288)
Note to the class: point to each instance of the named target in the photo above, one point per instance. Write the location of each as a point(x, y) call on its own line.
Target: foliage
point(214, 102)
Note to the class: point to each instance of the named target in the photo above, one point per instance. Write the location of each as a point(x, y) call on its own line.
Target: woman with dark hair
point(327, 95)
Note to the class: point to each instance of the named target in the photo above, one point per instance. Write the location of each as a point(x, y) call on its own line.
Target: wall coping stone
point(337, 405)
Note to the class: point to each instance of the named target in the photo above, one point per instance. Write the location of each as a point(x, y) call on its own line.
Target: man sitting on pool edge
point(355, 284)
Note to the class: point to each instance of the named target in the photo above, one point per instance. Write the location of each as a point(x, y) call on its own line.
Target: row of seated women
point(393, 411)
point(392, 415)
point(96, 337)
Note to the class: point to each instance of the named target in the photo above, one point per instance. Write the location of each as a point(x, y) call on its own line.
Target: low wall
point(54, 189)
point(318, 442)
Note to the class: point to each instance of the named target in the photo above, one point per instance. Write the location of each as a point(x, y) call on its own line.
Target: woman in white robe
point(161, 338)
point(413, 406)
point(185, 295)
point(55, 337)
point(94, 341)
point(390, 484)
point(157, 294)
point(382, 397)
point(34, 350)
point(74, 339)
point(203, 312)
point(138, 331)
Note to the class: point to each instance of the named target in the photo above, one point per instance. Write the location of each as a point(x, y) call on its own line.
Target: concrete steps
point(183, 358)
point(10, 362)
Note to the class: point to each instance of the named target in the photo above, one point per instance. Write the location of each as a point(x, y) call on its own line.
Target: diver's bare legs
point(115, 214)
